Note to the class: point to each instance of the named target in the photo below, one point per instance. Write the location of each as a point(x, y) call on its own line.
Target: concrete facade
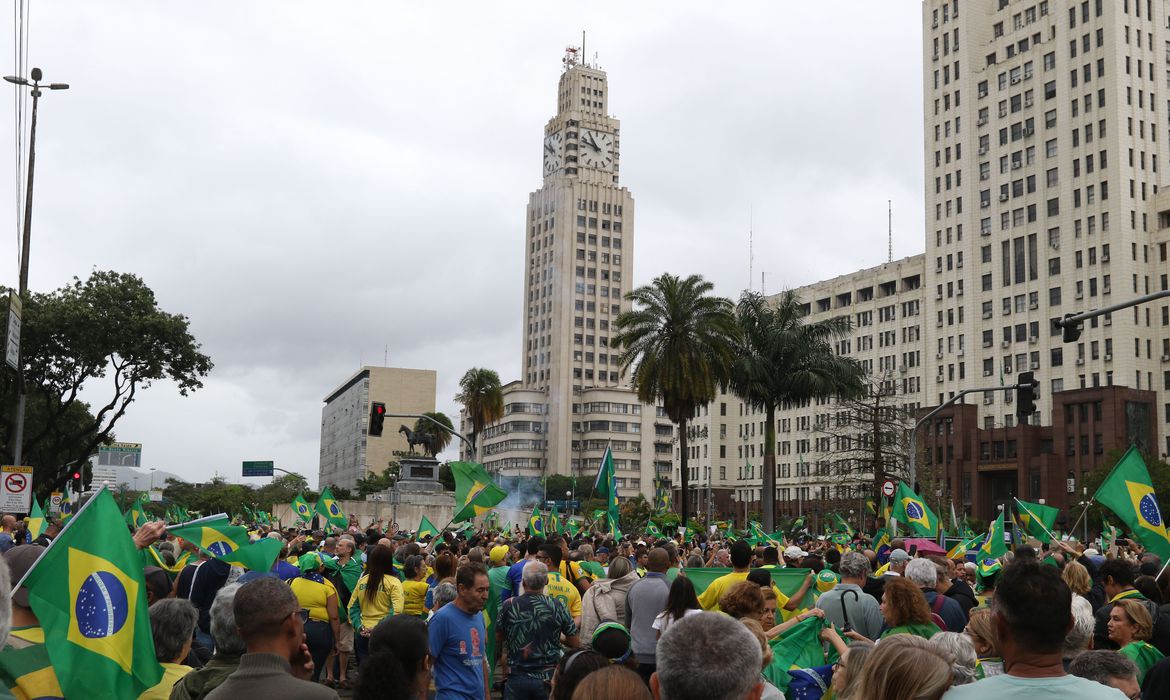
point(347, 452)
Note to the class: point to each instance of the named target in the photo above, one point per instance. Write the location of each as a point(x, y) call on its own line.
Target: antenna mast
point(890, 230)
point(751, 254)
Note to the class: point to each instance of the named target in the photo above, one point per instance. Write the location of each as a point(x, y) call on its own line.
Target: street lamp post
point(26, 239)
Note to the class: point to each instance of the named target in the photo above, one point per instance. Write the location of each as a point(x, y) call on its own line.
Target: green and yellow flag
point(799, 647)
point(68, 504)
point(535, 524)
point(88, 592)
point(475, 492)
point(257, 556)
point(661, 496)
point(840, 524)
point(301, 508)
point(911, 510)
point(427, 529)
point(1037, 519)
point(328, 508)
point(136, 516)
point(554, 521)
point(606, 488)
point(994, 547)
point(1128, 491)
point(214, 534)
point(36, 520)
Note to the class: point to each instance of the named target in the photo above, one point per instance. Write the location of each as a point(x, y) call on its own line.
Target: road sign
point(888, 489)
point(55, 502)
point(12, 335)
point(15, 489)
point(562, 505)
point(258, 468)
point(120, 454)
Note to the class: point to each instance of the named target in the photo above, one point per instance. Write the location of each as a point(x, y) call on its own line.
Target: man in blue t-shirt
point(457, 639)
point(516, 572)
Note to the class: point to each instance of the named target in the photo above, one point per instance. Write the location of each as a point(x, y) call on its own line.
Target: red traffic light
point(379, 409)
point(76, 475)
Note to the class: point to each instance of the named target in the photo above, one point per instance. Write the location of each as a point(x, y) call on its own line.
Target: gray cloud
point(312, 184)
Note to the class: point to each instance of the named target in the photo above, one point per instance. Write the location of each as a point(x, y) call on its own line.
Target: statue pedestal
point(419, 475)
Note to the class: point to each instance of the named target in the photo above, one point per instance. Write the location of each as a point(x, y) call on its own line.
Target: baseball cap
point(603, 550)
point(899, 555)
point(20, 559)
point(499, 554)
point(826, 581)
point(794, 552)
point(1091, 552)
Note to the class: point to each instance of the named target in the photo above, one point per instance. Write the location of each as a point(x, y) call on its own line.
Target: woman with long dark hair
point(680, 602)
point(398, 666)
point(376, 595)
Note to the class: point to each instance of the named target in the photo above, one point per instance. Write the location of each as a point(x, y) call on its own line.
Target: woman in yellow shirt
point(377, 594)
point(318, 596)
point(414, 588)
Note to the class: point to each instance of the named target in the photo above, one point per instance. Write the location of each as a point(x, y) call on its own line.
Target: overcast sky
point(312, 182)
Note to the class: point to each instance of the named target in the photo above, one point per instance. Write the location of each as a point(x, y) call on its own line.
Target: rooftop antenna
point(751, 254)
point(763, 287)
point(386, 357)
point(584, 56)
point(890, 230)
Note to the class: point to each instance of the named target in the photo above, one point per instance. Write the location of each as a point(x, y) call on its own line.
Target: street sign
point(562, 505)
point(258, 468)
point(55, 502)
point(888, 489)
point(120, 454)
point(12, 334)
point(16, 489)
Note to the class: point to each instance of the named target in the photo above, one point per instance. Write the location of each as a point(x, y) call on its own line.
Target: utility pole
point(26, 240)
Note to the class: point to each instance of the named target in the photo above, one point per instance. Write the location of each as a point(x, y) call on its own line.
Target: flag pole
point(1088, 503)
point(1034, 518)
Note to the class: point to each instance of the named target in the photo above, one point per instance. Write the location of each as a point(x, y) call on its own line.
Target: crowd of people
point(381, 613)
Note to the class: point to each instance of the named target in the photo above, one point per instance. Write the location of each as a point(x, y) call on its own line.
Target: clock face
point(552, 153)
point(596, 149)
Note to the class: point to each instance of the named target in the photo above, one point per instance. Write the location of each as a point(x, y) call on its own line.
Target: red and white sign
point(15, 489)
point(888, 489)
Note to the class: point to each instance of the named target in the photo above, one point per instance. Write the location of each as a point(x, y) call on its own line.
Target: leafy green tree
point(376, 483)
point(108, 329)
point(679, 342)
point(779, 358)
point(446, 478)
point(633, 514)
point(282, 490)
point(483, 400)
point(439, 438)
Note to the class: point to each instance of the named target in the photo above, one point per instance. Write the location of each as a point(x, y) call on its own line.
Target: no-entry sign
point(888, 489)
point(15, 489)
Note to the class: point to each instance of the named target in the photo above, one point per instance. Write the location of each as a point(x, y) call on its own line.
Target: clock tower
point(577, 253)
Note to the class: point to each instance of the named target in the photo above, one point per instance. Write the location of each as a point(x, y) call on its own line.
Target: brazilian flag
point(554, 521)
point(475, 492)
point(328, 508)
point(136, 516)
point(301, 508)
point(213, 534)
point(1129, 493)
point(257, 556)
point(36, 521)
point(88, 592)
point(535, 524)
point(994, 546)
point(1037, 519)
point(911, 509)
point(68, 504)
point(427, 528)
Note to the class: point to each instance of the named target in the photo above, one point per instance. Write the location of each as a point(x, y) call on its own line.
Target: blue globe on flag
point(914, 511)
point(333, 509)
point(102, 605)
point(221, 548)
point(1148, 507)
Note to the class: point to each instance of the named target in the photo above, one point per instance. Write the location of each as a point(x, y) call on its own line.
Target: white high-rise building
point(573, 398)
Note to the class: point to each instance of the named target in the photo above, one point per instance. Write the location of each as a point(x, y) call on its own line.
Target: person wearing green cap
point(317, 595)
point(825, 582)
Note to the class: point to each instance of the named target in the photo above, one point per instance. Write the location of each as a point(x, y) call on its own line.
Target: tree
point(108, 327)
point(439, 438)
point(634, 514)
point(376, 483)
point(283, 489)
point(781, 358)
point(446, 477)
point(679, 341)
point(483, 400)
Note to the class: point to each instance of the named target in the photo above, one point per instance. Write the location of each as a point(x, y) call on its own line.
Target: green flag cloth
point(68, 504)
point(1129, 493)
point(841, 524)
point(301, 508)
point(994, 547)
point(535, 524)
point(554, 522)
point(799, 647)
point(661, 496)
point(89, 594)
point(257, 556)
point(475, 492)
point(787, 580)
point(911, 510)
point(606, 487)
point(136, 516)
point(959, 551)
point(427, 528)
point(36, 520)
point(213, 534)
point(329, 509)
point(1033, 515)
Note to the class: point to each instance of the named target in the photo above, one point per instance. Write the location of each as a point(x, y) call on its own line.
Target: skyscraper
point(573, 399)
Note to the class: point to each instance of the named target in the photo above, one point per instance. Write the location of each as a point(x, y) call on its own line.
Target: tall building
point(348, 453)
point(573, 398)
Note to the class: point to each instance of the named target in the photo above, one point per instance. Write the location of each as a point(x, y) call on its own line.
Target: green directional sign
point(258, 468)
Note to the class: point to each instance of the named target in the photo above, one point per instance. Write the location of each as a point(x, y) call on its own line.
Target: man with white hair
point(1109, 668)
point(849, 602)
point(926, 574)
point(229, 647)
point(707, 656)
point(529, 632)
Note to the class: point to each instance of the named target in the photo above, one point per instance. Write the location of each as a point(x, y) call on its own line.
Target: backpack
point(936, 608)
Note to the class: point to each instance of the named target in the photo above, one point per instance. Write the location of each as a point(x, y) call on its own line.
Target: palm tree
point(482, 399)
point(679, 341)
point(781, 358)
point(440, 438)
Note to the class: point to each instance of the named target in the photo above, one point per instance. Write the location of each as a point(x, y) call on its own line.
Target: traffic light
point(1071, 331)
point(377, 415)
point(1027, 390)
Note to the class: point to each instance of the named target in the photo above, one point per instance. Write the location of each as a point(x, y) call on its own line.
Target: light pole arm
point(1073, 320)
point(432, 420)
point(928, 416)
